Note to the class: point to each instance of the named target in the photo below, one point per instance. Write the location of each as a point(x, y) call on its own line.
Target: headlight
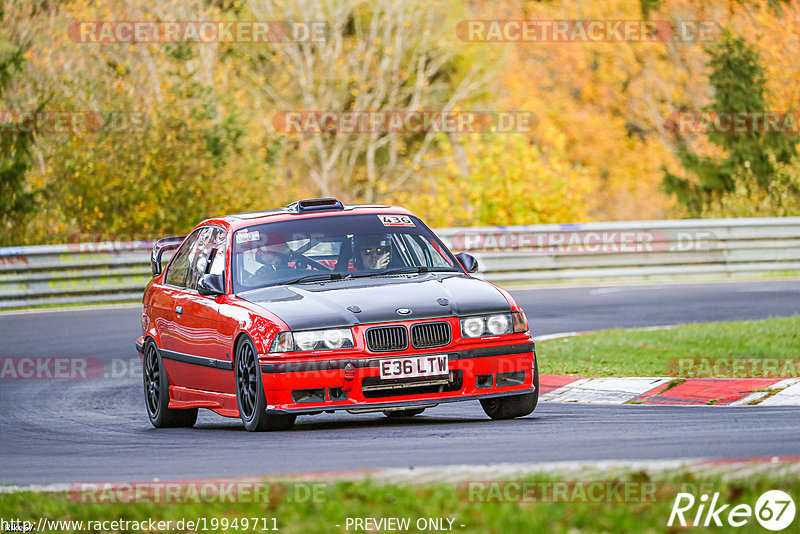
point(498, 324)
point(472, 327)
point(334, 338)
point(493, 325)
point(306, 340)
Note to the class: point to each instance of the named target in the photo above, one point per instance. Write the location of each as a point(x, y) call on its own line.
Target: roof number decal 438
point(396, 220)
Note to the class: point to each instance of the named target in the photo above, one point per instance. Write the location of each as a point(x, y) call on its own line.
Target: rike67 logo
point(774, 510)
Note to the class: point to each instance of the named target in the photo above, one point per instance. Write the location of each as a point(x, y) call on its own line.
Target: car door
point(163, 304)
point(198, 348)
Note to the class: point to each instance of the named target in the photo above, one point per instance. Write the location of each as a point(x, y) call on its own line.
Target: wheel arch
point(153, 334)
point(243, 334)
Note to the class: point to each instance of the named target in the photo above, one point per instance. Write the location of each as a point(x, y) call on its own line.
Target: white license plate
point(414, 366)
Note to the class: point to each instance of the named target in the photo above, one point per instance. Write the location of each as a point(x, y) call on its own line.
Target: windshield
point(331, 247)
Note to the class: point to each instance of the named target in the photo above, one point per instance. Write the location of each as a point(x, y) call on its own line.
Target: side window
point(438, 257)
point(179, 267)
point(206, 255)
point(217, 258)
point(325, 251)
point(427, 252)
point(415, 248)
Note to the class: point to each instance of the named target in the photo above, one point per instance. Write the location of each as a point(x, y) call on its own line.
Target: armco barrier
point(635, 250)
point(638, 250)
point(66, 274)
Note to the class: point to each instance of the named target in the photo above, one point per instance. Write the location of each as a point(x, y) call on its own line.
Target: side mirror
point(159, 248)
point(211, 285)
point(468, 261)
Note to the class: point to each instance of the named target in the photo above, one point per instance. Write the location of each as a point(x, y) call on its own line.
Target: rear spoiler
point(160, 247)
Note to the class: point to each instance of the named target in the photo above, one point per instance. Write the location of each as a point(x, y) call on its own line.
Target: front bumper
point(304, 385)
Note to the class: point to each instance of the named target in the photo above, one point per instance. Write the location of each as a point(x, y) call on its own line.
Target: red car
point(318, 307)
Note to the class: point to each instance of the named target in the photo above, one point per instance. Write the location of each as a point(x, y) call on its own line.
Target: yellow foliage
point(510, 181)
point(780, 199)
point(596, 153)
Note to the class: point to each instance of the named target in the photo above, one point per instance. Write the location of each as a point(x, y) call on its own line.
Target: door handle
point(179, 309)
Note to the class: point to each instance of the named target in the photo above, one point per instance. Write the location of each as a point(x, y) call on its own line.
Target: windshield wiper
point(415, 270)
point(320, 277)
point(316, 277)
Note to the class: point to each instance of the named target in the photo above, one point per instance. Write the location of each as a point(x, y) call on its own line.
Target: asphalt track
point(96, 430)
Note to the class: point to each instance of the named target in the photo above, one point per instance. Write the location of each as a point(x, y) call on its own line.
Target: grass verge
point(628, 503)
point(765, 348)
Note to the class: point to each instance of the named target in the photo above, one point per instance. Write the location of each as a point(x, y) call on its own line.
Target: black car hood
point(330, 304)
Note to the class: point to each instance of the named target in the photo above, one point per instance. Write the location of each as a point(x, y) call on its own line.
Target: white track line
point(560, 335)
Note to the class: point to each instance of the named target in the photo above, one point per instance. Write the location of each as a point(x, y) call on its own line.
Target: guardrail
point(638, 250)
point(73, 273)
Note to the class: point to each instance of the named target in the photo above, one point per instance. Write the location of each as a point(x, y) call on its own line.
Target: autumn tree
point(605, 102)
point(16, 200)
point(377, 56)
point(206, 141)
point(752, 153)
point(170, 149)
point(506, 180)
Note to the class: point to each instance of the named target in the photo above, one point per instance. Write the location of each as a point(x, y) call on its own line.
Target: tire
point(156, 393)
point(250, 393)
point(514, 405)
point(398, 414)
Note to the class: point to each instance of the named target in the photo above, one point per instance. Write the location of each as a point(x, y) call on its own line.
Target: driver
point(273, 258)
point(374, 251)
